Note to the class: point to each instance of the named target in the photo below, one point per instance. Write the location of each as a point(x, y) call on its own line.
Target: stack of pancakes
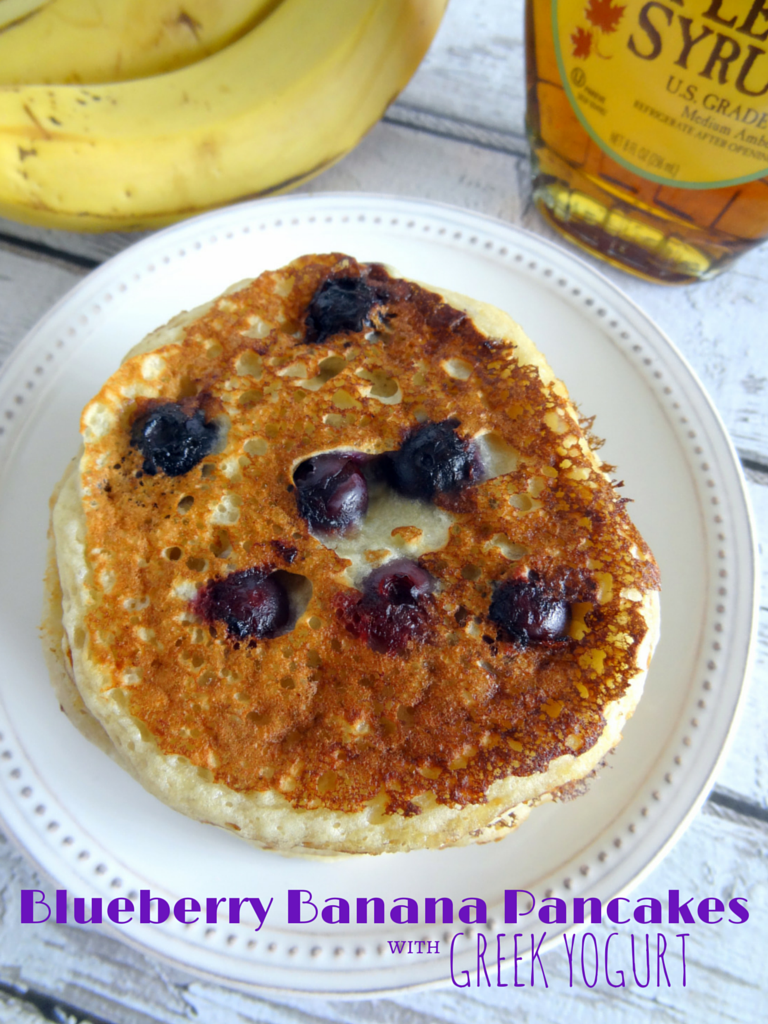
point(337, 568)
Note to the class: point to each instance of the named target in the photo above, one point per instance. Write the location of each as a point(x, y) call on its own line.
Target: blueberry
point(530, 612)
point(340, 305)
point(331, 491)
point(171, 440)
point(399, 582)
point(251, 603)
point(393, 608)
point(432, 460)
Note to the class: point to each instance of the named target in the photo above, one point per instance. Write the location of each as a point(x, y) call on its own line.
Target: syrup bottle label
point(675, 90)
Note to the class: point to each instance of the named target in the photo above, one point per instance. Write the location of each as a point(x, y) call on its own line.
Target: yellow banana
point(88, 41)
point(273, 109)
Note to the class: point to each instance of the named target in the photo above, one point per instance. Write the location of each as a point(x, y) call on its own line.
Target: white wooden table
point(456, 135)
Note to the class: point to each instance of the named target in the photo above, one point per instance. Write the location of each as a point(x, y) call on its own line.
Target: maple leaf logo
point(582, 42)
point(604, 15)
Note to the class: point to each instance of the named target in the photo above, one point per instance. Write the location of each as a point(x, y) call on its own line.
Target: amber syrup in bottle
point(648, 125)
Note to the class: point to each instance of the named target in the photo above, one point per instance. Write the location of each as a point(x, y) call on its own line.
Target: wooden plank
point(724, 963)
point(746, 770)
point(34, 1008)
point(28, 287)
point(474, 70)
point(90, 248)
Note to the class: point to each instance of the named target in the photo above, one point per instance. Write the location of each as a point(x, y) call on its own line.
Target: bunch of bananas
point(120, 114)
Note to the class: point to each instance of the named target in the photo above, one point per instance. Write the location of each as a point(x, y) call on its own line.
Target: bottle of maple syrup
point(648, 123)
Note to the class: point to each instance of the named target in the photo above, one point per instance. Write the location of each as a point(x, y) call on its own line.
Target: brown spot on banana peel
point(187, 21)
point(40, 127)
point(262, 14)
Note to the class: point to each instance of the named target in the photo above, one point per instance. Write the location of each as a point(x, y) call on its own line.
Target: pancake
point(338, 569)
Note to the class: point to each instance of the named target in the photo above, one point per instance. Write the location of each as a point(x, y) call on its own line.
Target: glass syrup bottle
point(648, 124)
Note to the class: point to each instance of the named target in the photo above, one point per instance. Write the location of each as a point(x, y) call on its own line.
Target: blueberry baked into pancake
point(337, 568)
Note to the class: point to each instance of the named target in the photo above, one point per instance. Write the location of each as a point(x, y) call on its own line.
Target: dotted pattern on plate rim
point(108, 881)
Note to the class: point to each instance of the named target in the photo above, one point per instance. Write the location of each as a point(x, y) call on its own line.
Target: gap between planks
point(42, 1007)
point(406, 115)
point(725, 803)
point(29, 248)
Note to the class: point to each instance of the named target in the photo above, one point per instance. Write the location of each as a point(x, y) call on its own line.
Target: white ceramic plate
point(95, 832)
